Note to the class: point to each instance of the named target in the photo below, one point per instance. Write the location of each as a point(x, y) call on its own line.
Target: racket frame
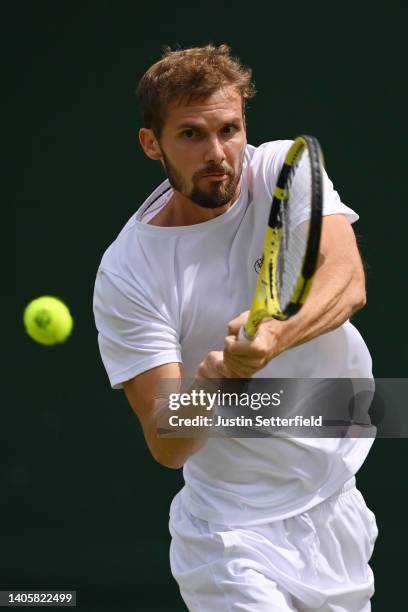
point(265, 302)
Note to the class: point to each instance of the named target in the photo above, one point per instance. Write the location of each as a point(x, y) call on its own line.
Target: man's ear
point(150, 144)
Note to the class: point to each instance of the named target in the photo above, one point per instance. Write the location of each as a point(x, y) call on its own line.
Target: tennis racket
point(292, 237)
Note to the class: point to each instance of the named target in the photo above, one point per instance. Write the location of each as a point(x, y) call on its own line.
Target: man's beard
point(217, 194)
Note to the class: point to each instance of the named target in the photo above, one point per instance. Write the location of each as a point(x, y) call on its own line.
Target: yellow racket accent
point(302, 289)
point(281, 194)
point(308, 285)
point(295, 150)
point(265, 303)
point(297, 292)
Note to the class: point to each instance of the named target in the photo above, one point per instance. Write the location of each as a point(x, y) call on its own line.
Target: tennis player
point(266, 524)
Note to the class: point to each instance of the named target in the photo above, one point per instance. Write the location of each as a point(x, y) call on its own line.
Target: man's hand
point(241, 358)
point(212, 366)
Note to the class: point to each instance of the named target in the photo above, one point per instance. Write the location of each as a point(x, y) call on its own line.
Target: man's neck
point(180, 210)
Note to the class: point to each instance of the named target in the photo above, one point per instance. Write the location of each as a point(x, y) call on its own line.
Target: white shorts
point(317, 560)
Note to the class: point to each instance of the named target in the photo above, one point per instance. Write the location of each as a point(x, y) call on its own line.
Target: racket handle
point(242, 335)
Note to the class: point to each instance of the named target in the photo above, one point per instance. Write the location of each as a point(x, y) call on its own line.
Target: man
point(261, 524)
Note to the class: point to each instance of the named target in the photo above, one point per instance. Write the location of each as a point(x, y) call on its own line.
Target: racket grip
point(242, 335)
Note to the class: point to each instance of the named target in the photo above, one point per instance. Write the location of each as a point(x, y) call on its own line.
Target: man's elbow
point(171, 463)
point(166, 459)
point(361, 301)
point(358, 297)
point(171, 452)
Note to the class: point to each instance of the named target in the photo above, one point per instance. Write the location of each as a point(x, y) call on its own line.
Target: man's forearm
point(338, 291)
point(170, 447)
point(174, 452)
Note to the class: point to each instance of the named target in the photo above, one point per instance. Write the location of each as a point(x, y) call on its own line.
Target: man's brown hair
point(190, 74)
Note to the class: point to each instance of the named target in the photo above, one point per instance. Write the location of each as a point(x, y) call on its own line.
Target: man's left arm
point(338, 291)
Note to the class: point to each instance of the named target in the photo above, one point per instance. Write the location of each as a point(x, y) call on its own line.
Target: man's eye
point(228, 129)
point(188, 134)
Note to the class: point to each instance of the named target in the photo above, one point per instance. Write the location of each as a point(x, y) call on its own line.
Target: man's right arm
point(142, 392)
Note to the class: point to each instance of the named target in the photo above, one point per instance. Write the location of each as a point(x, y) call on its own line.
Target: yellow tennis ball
point(47, 320)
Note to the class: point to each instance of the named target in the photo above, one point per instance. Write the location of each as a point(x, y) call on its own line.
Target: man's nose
point(215, 152)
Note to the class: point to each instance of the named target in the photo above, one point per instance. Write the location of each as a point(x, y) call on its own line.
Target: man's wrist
point(278, 336)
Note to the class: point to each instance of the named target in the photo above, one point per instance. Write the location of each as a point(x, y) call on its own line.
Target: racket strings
point(295, 213)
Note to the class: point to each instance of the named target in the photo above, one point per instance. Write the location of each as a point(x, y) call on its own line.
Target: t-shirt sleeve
point(332, 205)
point(133, 334)
point(274, 157)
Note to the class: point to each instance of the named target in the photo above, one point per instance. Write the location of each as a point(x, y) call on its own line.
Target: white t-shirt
point(166, 294)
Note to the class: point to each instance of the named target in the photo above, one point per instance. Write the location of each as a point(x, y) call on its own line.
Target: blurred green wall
point(84, 506)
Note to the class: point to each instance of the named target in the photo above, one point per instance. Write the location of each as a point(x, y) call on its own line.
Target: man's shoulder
point(132, 240)
point(267, 150)
point(115, 254)
point(263, 164)
point(127, 264)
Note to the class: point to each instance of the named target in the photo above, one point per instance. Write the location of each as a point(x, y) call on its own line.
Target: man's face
point(202, 147)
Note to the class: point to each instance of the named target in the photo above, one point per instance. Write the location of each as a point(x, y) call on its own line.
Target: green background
point(84, 506)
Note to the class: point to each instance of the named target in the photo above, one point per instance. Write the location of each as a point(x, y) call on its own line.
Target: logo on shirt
point(258, 264)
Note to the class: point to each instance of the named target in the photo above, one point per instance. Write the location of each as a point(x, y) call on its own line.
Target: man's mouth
point(216, 176)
